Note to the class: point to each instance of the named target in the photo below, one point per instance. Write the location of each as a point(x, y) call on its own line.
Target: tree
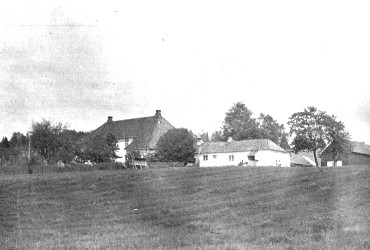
point(204, 137)
point(239, 124)
point(314, 129)
point(5, 150)
point(45, 139)
point(19, 140)
point(176, 145)
point(54, 142)
point(271, 129)
point(217, 136)
point(98, 149)
point(339, 138)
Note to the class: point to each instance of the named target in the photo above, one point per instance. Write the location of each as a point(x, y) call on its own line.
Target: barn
point(359, 155)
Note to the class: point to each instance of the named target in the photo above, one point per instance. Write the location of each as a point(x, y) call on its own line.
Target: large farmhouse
point(140, 134)
point(359, 155)
point(260, 152)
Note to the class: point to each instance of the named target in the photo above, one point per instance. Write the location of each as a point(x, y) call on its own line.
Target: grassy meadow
point(188, 208)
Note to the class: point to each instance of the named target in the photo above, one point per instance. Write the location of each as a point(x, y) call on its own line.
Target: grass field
point(188, 208)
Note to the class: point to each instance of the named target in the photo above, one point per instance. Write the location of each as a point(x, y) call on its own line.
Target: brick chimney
point(110, 119)
point(158, 113)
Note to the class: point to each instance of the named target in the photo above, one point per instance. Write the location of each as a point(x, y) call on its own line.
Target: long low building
point(259, 152)
point(358, 155)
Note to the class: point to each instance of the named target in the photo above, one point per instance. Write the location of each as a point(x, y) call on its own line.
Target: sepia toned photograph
point(185, 124)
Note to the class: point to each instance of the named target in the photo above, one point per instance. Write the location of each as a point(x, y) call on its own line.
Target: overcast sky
point(78, 62)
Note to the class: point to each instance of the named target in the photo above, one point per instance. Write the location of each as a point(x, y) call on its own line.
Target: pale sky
point(78, 62)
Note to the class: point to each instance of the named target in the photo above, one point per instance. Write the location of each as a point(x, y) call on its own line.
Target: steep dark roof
point(145, 131)
point(239, 146)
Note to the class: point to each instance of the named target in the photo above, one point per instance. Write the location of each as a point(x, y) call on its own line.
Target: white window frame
point(231, 158)
point(205, 157)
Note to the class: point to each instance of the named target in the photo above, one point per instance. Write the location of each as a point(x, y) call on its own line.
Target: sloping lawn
point(189, 208)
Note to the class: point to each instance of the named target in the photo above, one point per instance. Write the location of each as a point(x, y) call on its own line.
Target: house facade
point(359, 155)
point(139, 135)
point(260, 152)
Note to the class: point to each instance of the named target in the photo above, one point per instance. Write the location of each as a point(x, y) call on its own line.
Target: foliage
point(14, 151)
point(54, 142)
point(271, 129)
point(204, 137)
point(313, 129)
point(44, 139)
point(5, 150)
point(240, 125)
point(176, 145)
point(130, 156)
point(217, 136)
point(98, 149)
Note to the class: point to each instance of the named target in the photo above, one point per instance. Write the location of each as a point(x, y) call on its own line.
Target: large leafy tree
point(269, 128)
point(99, 149)
point(45, 139)
point(176, 145)
point(240, 125)
point(313, 130)
point(54, 142)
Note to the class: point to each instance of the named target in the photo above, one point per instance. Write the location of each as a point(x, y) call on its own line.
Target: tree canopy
point(240, 125)
point(313, 130)
point(176, 145)
point(99, 149)
point(54, 142)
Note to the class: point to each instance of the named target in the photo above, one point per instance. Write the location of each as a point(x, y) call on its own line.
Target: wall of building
point(272, 158)
point(347, 159)
point(121, 151)
point(263, 158)
point(327, 159)
point(359, 159)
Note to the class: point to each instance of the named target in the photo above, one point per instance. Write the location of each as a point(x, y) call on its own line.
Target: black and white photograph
point(185, 124)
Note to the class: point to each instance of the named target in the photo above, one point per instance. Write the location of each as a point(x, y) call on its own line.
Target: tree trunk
point(335, 157)
point(314, 155)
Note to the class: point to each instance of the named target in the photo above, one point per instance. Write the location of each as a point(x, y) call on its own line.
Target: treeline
point(50, 143)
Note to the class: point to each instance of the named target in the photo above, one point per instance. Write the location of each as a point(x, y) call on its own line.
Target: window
point(231, 157)
point(251, 158)
point(205, 157)
point(126, 142)
point(215, 156)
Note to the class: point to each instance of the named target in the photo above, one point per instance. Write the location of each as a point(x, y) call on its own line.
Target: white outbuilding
point(259, 152)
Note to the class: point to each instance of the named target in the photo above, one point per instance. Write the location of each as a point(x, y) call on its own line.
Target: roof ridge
point(146, 117)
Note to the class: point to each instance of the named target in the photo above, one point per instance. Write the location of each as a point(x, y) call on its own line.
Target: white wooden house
point(260, 152)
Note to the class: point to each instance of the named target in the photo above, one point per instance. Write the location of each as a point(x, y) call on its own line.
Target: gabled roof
point(360, 148)
point(357, 147)
point(239, 146)
point(145, 131)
